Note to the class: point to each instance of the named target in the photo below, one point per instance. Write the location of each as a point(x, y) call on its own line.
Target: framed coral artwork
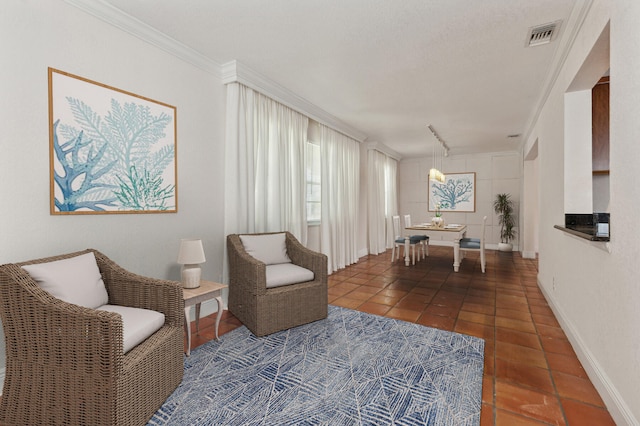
point(110, 151)
point(456, 194)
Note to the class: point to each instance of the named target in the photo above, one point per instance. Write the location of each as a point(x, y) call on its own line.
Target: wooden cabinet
point(600, 126)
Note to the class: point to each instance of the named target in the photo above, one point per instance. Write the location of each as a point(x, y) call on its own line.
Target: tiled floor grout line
point(495, 356)
point(505, 277)
point(544, 352)
point(546, 358)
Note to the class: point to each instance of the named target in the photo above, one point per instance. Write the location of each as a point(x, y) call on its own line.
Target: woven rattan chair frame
point(65, 363)
point(267, 310)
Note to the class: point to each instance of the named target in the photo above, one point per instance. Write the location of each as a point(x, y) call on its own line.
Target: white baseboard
point(616, 405)
point(529, 254)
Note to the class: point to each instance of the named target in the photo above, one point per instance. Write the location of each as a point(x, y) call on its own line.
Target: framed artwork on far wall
point(110, 151)
point(456, 194)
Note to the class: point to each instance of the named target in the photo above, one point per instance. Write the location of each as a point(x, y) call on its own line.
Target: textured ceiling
point(387, 68)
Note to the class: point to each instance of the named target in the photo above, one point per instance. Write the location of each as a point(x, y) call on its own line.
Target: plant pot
point(505, 246)
point(437, 221)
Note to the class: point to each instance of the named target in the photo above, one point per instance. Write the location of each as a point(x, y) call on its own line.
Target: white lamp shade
point(436, 176)
point(191, 252)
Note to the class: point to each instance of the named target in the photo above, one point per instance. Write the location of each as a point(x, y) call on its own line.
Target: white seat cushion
point(137, 324)
point(75, 280)
point(270, 249)
point(287, 273)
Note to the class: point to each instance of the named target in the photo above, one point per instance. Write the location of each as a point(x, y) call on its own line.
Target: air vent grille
point(542, 34)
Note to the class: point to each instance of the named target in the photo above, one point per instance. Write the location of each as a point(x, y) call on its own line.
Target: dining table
point(451, 232)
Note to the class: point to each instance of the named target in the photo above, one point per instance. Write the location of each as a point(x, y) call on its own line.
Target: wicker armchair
point(65, 363)
point(267, 310)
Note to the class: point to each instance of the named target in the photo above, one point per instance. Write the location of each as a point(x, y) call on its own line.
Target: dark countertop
point(586, 232)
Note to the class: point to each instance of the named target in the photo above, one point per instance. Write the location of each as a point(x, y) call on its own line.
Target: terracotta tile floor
point(531, 374)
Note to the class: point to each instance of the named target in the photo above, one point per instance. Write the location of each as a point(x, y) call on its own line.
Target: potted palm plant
point(503, 206)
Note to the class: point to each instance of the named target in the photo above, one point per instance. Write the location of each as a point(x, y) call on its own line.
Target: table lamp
point(191, 254)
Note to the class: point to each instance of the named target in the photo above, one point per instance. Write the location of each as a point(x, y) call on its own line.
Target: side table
point(195, 296)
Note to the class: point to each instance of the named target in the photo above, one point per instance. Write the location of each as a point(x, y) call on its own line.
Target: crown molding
point(378, 146)
point(230, 72)
point(127, 23)
point(236, 72)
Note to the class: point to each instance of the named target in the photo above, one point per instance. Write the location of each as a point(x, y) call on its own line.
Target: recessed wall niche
point(586, 179)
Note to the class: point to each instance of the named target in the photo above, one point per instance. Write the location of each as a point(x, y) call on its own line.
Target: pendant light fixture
point(435, 174)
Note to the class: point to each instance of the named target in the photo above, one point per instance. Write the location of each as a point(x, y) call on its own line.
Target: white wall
point(530, 219)
point(39, 34)
point(578, 190)
point(595, 294)
point(601, 193)
point(495, 173)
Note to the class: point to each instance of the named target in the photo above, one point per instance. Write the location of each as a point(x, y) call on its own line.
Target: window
point(313, 183)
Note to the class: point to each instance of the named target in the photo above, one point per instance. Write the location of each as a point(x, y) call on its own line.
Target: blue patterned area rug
point(351, 369)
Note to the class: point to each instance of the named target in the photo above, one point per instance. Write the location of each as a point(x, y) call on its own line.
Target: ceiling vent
point(543, 34)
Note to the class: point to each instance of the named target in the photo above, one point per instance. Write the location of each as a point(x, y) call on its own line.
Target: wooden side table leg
point(197, 317)
point(187, 326)
point(219, 300)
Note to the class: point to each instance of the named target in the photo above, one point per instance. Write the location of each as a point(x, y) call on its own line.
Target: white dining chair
point(476, 244)
point(398, 241)
point(424, 239)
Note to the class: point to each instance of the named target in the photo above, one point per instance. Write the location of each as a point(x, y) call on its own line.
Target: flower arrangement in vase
point(438, 220)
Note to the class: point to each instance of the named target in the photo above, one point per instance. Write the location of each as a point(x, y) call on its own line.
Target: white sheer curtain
point(376, 209)
point(265, 149)
point(383, 200)
point(340, 170)
point(391, 196)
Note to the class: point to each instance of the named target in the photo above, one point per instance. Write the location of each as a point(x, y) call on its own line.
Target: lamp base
point(191, 276)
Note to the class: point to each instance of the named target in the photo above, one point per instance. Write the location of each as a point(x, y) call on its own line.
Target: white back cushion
point(270, 248)
point(75, 280)
point(137, 324)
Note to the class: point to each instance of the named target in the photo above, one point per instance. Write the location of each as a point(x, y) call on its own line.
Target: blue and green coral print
point(114, 161)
